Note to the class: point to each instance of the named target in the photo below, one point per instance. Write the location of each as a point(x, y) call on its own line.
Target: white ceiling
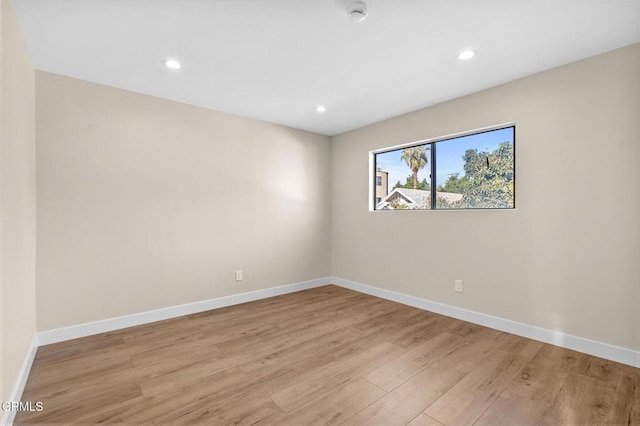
point(276, 60)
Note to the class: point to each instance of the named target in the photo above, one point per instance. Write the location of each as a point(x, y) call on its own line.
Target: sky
point(449, 156)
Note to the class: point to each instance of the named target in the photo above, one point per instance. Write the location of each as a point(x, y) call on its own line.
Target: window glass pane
point(476, 171)
point(407, 173)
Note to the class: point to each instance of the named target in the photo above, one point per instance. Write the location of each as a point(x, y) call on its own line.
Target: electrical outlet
point(457, 286)
point(238, 274)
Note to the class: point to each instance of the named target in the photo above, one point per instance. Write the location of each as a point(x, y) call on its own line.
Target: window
point(473, 170)
point(378, 180)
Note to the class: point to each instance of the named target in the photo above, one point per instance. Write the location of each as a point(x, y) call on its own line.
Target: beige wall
point(145, 203)
point(18, 201)
point(567, 258)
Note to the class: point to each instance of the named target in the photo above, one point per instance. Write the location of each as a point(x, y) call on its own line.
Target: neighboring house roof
point(416, 198)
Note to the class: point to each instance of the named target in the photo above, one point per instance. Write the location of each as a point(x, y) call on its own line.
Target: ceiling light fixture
point(466, 54)
point(320, 109)
point(357, 10)
point(173, 64)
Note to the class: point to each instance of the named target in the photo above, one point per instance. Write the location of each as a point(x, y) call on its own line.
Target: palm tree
point(416, 158)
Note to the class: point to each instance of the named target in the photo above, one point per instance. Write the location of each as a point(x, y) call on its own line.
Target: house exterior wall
point(382, 190)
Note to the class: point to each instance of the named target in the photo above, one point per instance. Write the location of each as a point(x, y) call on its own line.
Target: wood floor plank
point(307, 352)
point(69, 378)
point(322, 356)
point(153, 331)
point(165, 357)
point(304, 363)
point(635, 410)
point(196, 397)
point(181, 375)
point(411, 335)
point(559, 358)
point(74, 405)
point(604, 370)
point(626, 409)
point(169, 335)
point(261, 349)
point(172, 364)
point(408, 400)
point(424, 420)
point(525, 347)
point(313, 301)
point(531, 394)
point(243, 330)
point(332, 376)
point(471, 353)
point(111, 413)
point(304, 329)
point(582, 400)
point(337, 407)
point(367, 310)
point(65, 351)
point(329, 296)
point(249, 411)
point(467, 329)
point(465, 402)
point(396, 319)
point(230, 313)
point(401, 369)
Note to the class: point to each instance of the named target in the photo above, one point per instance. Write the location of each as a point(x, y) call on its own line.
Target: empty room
point(295, 212)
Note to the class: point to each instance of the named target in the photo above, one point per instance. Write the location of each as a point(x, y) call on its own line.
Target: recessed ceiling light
point(173, 64)
point(466, 54)
point(321, 108)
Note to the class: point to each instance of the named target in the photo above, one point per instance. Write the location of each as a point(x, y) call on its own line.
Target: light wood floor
point(324, 356)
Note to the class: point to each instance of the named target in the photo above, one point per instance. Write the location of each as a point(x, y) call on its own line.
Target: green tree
point(416, 159)
point(397, 205)
point(423, 184)
point(455, 183)
point(443, 203)
point(490, 176)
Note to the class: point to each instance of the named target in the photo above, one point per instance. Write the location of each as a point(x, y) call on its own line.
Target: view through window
point(473, 171)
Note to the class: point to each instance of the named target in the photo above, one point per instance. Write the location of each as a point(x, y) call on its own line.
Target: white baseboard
point(16, 394)
point(580, 344)
point(111, 324)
